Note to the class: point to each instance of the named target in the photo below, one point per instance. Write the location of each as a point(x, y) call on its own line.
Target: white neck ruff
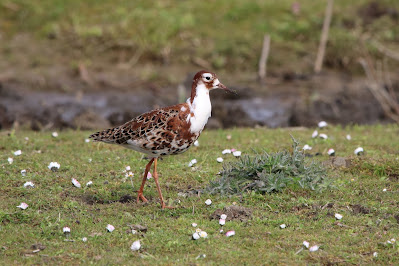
point(201, 108)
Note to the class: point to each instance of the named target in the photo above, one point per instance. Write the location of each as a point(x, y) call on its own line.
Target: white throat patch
point(201, 108)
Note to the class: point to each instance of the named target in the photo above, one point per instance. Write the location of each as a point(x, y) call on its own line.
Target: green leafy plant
point(270, 172)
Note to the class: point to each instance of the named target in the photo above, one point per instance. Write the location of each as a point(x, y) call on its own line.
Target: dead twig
point(263, 58)
point(324, 37)
point(387, 52)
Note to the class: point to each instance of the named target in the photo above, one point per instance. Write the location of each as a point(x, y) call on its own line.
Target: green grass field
point(370, 214)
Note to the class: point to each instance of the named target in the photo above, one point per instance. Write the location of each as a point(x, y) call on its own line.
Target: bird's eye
point(208, 78)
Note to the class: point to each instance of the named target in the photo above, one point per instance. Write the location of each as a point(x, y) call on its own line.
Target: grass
point(368, 212)
point(179, 31)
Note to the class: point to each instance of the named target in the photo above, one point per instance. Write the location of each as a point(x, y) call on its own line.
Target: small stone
point(314, 248)
point(219, 159)
point(282, 226)
point(208, 202)
point(54, 134)
point(359, 151)
point(230, 233)
point(136, 245)
point(338, 216)
point(18, 153)
point(322, 124)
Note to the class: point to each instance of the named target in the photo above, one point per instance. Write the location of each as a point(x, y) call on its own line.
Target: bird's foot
point(140, 196)
point(164, 206)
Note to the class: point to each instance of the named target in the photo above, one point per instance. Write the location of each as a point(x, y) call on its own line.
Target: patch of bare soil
point(359, 209)
point(233, 213)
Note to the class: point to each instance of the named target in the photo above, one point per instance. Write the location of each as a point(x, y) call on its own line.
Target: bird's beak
point(221, 86)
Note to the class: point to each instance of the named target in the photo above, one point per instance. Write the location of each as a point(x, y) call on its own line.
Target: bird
point(166, 131)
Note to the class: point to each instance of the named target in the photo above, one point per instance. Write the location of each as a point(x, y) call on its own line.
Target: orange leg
point(140, 193)
point(155, 174)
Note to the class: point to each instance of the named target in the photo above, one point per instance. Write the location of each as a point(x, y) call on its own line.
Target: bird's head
point(209, 79)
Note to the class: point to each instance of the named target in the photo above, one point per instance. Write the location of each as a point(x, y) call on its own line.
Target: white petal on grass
point(384, 190)
point(76, 183)
point(208, 202)
point(228, 137)
point(129, 174)
point(66, 230)
point(223, 216)
point(358, 150)
point(323, 136)
point(134, 232)
point(23, 206)
point(322, 124)
point(127, 168)
point(88, 184)
point(222, 222)
point(84, 239)
point(110, 228)
point(10, 160)
point(192, 162)
point(196, 236)
point(54, 166)
point(306, 244)
point(237, 153)
point(198, 230)
point(219, 159)
point(18, 153)
point(54, 134)
point(315, 134)
point(136, 245)
point(194, 225)
point(203, 234)
point(338, 216)
point(375, 254)
point(29, 184)
point(23, 172)
point(196, 143)
point(314, 248)
point(282, 226)
point(226, 151)
point(149, 176)
point(230, 233)
point(331, 152)
point(348, 137)
point(306, 147)
point(87, 140)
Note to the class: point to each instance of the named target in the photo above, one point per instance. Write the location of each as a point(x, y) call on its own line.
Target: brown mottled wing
point(157, 132)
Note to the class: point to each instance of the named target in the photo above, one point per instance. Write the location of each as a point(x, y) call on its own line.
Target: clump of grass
point(270, 172)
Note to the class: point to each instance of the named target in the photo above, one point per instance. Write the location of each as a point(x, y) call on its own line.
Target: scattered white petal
point(389, 242)
point(23, 172)
point(282, 226)
point(338, 216)
point(136, 245)
point(237, 153)
point(149, 176)
point(203, 234)
point(26, 138)
point(129, 174)
point(192, 162)
point(393, 240)
point(66, 229)
point(315, 134)
point(208, 202)
point(221, 231)
point(358, 150)
point(314, 248)
point(110, 227)
point(219, 159)
point(90, 160)
point(29, 184)
point(222, 222)
point(233, 150)
point(306, 244)
point(228, 137)
point(87, 140)
point(322, 124)
point(194, 225)
point(323, 136)
point(230, 233)
point(306, 147)
point(54, 166)
point(134, 231)
point(23, 206)
point(226, 151)
point(76, 183)
point(198, 230)
point(54, 134)
point(196, 143)
point(384, 190)
point(331, 152)
point(18, 152)
point(348, 137)
point(10, 160)
point(196, 236)
point(375, 254)
point(201, 256)
point(223, 216)
point(88, 184)
point(127, 168)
